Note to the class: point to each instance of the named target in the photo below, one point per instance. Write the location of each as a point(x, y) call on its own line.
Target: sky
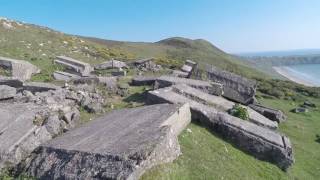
point(235, 26)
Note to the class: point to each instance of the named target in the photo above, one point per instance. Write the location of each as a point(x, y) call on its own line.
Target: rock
point(300, 110)
point(109, 82)
point(262, 143)
point(309, 104)
point(219, 103)
point(64, 76)
point(7, 92)
point(112, 64)
point(20, 69)
point(272, 114)
point(75, 66)
point(94, 108)
point(187, 68)
point(86, 80)
point(208, 87)
point(143, 80)
point(235, 87)
point(9, 81)
point(39, 87)
point(119, 145)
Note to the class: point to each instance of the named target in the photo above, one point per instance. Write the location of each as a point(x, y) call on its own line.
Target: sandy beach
point(283, 70)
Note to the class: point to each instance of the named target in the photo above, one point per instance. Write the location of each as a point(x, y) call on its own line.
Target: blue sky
point(232, 25)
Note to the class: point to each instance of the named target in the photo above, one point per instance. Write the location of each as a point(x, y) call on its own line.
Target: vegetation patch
point(240, 112)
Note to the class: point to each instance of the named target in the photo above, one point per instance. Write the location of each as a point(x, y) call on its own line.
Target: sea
point(308, 72)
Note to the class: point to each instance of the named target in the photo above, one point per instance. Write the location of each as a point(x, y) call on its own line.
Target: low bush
point(240, 112)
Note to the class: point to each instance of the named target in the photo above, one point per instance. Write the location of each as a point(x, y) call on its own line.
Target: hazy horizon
point(235, 27)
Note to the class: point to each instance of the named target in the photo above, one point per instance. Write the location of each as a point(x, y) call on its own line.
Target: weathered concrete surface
point(262, 143)
point(235, 87)
point(20, 69)
point(221, 103)
point(178, 73)
point(273, 114)
point(111, 65)
point(79, 67)
point(143, 80)
point(187, 68)
point(39, 87)
point(64, 76)
point(208, 87)
point(9, 81)
point(146, 65)
point(7, 92)
point(23, 127)
point(119, 145)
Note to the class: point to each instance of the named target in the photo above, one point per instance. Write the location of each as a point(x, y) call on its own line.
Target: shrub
point(240, 112)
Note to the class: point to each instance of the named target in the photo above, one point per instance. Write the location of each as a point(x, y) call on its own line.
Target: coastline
point(283, 70)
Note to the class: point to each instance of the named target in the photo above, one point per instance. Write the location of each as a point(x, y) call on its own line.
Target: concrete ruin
point(219, 103)
point(39, 87)
point(74, 66)
point(261, 142)
point(7, 92)
point(273, 114)
point(112, 64)
point(65, 76)
point(208, 87)
point(146, 64)
point(20, 69)
point(120, 145)
point(9, 81)
point(235, 87)
point(143, 80)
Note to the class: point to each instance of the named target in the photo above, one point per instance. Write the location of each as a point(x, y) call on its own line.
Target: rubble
point(262, 143)
point(147, 65)
point(235, 87)
point(21, 70)
point(39, 87)
point(7, 92)
point(120, 145)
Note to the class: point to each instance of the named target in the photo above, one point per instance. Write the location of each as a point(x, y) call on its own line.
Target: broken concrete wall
point(20, 69)
point(83, 69)
point(260, 142)
point(235, 87)
point(119, 145)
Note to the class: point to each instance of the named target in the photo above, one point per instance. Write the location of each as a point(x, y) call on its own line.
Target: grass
point(207, 156)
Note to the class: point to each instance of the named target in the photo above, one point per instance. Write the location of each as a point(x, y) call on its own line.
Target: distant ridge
point(296, 52)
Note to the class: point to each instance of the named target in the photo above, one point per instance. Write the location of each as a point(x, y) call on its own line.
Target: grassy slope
point(179, 49)
point(207, 156)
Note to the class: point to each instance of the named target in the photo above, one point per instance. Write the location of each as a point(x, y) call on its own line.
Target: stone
point(309, 104)
point(208, 87)
point(186, 68)
point(7, 92)
point(64, 76)
point(146, 65)
point(87, 80)
point(9, 81)
point(219, 103)
point(260, 142)
point(120, 145)
point(143, 80)
point(272, 114)
point(112, 64)
point(20, 69)
point(235, 87)
point(94, 108)
point(75, 66)
point(109, 82)
point(39, 87)
point(300, 110)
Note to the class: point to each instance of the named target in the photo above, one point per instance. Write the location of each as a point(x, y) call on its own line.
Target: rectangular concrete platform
point(208, 87)
point(262, 143)
point(118, 145)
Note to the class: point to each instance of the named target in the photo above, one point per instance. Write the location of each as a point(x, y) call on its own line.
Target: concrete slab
point(222, 104)
point(273, 114)
point(84, 69)
point(235, 87)
point(64, 76)
point(208, 87)
point(263, 143)
point(119, 145)
point(7, 92)
point(20, 69)
point(9, 81)
point(39, 87)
